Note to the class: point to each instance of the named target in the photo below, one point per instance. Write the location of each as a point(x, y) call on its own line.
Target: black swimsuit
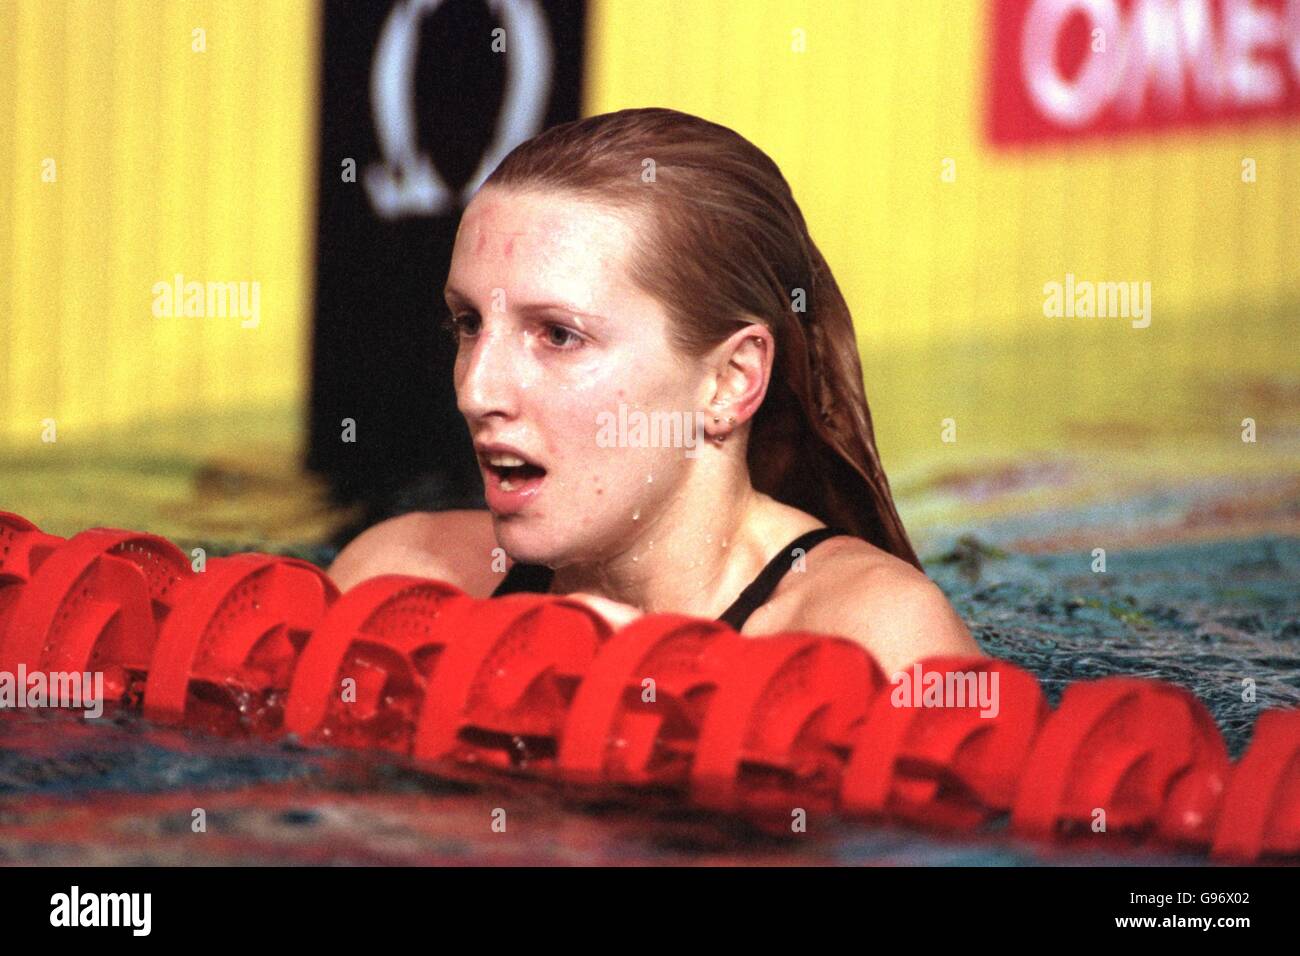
point(536, 578)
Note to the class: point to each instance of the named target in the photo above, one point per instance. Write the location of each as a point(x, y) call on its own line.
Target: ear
point(741, 369)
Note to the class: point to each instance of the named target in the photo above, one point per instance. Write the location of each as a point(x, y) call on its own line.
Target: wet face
point(553, 339)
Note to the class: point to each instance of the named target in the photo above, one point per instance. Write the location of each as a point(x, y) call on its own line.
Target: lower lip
point(504, 502)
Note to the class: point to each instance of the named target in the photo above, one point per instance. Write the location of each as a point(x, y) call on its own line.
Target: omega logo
point(406, 183)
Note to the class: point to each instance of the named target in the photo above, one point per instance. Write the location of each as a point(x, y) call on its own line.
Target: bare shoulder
point(453, 546)
point(896, 612)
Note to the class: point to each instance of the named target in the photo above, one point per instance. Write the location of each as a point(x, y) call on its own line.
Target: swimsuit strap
point(536, 578)
point(762, 586)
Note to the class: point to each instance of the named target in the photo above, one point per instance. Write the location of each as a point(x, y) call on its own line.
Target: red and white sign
point(1065, 69)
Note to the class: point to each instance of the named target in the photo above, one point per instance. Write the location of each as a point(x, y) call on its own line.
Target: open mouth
point(510, 472)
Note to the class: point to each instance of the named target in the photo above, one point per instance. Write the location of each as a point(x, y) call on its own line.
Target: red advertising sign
point(1068, 69)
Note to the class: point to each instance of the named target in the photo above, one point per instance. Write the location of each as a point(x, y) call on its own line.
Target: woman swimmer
point(650, 262)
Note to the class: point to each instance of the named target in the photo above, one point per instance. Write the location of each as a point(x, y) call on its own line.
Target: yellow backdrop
point(174, 152)
point(173, 160)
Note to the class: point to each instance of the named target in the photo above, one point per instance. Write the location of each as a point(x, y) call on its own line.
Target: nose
point(488, 377)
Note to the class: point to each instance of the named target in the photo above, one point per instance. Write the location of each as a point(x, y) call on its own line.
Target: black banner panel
point(420, 100)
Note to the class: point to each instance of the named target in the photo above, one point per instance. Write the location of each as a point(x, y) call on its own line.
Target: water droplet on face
point(636, 515)
point(649, 478)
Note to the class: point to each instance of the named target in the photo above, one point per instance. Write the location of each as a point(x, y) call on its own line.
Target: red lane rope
point(777, 728)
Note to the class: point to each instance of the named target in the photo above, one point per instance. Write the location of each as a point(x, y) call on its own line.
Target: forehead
point(532, 243)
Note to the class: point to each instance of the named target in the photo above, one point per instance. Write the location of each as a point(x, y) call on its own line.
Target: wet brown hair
point(727, 246)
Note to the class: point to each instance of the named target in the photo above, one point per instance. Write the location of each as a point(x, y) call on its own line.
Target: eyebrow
point(455, 297)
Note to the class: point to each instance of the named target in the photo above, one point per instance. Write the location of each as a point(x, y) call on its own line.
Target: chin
point(523, 545)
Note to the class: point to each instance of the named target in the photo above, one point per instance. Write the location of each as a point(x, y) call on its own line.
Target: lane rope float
point(769, 727)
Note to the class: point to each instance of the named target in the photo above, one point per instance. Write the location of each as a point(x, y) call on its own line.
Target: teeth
point(505, 461)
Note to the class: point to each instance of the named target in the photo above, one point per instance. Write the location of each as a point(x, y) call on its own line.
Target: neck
point(693, 557)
